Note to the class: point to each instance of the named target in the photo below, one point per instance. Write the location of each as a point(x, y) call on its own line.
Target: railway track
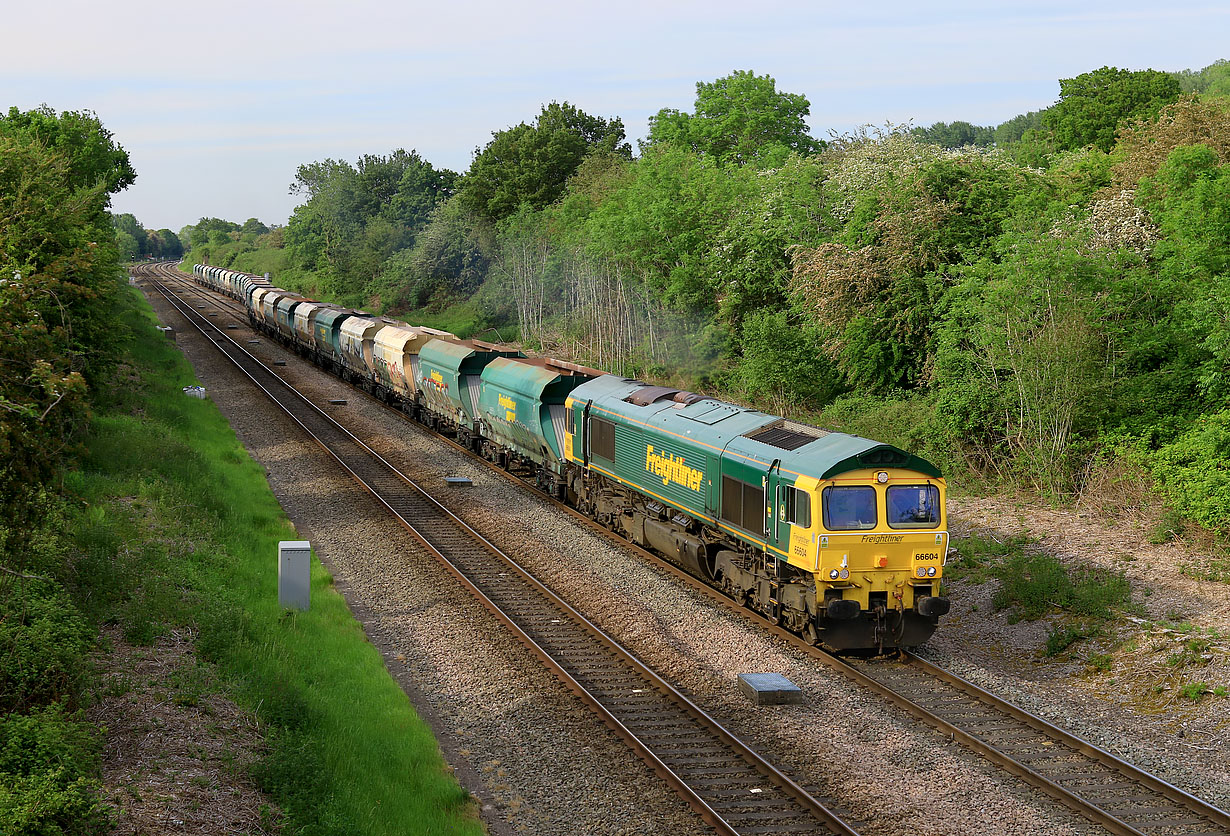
point(731, 787)
point(1105, 789)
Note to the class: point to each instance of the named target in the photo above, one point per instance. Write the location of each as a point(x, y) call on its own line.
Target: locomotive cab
point(881, 547)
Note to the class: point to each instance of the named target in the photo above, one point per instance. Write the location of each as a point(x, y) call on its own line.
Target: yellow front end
point(881, 539)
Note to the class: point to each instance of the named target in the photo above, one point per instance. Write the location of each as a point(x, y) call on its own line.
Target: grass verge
point(179, 530)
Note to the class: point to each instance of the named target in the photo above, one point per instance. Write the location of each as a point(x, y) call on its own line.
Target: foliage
point(662, 220)
point(781, 364)
point(94, 160)
point(1213, 80)
point(134, 242)
point(957, 134)
point(1092, 104)
point(531, 164)
point(56, 245)
point(1015, 128)
point(875, 294)
point(1145, 145)
point(1193, 471)
point(1060, 637)
point(43, 645)
point(740, 119)
point(355, 218)
point(48, 766)
point(178, 533)
point(449, 261)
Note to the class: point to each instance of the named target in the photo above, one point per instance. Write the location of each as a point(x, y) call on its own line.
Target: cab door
point(777, 529)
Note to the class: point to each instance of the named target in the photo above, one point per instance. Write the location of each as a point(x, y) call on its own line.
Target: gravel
point(536, 756)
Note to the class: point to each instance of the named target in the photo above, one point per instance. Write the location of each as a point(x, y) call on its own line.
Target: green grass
point(979, 556)
point(178, 528)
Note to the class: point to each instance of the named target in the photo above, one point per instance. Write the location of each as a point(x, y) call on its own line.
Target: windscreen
point(849, 508)
point(913, 506)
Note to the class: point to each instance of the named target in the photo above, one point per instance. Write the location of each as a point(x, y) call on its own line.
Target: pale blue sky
point(219, 102)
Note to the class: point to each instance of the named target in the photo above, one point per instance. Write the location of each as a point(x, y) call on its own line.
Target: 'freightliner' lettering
point(883, 538)
point(672, 469)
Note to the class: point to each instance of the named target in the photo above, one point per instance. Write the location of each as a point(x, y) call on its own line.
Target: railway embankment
point(222, 711)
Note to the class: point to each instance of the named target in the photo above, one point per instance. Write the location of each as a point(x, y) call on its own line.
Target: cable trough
point(730, 786)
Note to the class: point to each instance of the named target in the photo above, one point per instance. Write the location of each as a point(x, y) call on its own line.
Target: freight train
point(839, 539)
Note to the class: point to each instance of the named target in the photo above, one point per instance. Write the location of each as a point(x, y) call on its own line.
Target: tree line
point(1029, 302)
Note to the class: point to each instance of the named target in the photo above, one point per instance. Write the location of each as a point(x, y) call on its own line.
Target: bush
point(48, 775)
point(48, 804)
point(1193, 471)
point(1036, 583)
point(782, 363)
point(43, 646)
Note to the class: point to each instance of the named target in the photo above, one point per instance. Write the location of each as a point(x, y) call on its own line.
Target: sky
point(219, 103)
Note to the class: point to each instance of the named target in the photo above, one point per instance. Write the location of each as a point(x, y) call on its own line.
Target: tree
point(531, 164)
point(252, 226)
point(663, 220)
point(130, 236)
point(58, 265)
point(956, 135)
point(740, 119)
point(94, 159)
point(1092, 105)
point(356, 217)
point(1213, 80)
point(169, 245)
point(1016, 127)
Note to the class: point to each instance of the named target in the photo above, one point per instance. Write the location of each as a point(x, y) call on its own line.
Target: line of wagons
point(839, 538)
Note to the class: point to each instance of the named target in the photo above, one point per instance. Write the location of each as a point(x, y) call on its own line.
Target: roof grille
point(786, 435)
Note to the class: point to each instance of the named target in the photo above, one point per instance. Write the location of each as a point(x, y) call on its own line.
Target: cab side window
point(798, 507)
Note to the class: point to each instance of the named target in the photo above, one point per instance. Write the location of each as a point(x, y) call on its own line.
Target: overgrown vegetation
point(1024, 303)
point(124, 503)
point(1032, 584)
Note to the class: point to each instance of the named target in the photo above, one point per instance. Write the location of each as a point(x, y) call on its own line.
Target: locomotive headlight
point(845, 573)
point(921, 571)
point(931, 571)
point(834, 574)
point(882, 476)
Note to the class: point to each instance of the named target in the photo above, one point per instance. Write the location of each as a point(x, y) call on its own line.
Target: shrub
point(1059, 639)
point(43, 646)
point(48, 766)
point(1035, 583)
point(1194, 470)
